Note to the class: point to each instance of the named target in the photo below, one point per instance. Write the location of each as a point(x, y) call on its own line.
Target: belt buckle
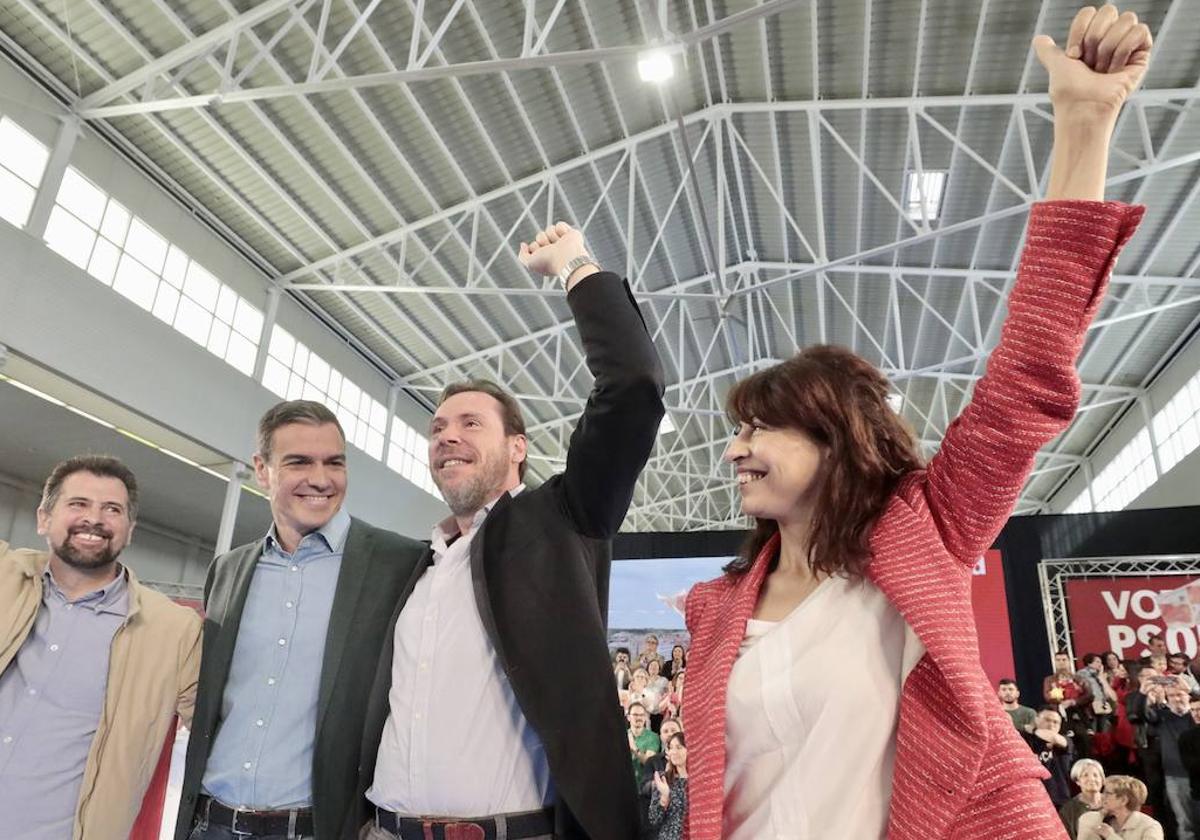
point(463, 831)
point(233, 825)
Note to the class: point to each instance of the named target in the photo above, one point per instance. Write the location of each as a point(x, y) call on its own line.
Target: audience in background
point(1088, 775)
point(1054, 751)
point(621, 669)
point(668, 805)
point(1092, 678)
point(677, 662)
point(1022, 716)
point(1178, 665)
point(649, 651)
point(637, 690)
point(655, 695)
point(1189, 754)
point(1119, 815)
point(643, 746)
point(675, 697)
point(1170, 720)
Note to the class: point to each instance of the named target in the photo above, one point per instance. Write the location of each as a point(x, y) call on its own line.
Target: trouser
point(1179, 795)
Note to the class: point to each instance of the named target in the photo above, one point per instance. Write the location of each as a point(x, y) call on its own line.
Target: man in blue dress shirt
point(293, 629)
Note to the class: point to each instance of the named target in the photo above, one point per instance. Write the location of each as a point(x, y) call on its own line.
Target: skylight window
point(923, 194)
point(21, 169)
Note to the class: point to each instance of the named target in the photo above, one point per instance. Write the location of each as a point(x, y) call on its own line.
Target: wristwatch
point(574, 263)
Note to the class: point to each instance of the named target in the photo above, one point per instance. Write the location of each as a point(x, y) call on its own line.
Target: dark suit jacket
point(540, 566)
point(377, 565)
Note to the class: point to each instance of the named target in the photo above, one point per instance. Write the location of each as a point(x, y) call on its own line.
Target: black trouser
point(1150, 758)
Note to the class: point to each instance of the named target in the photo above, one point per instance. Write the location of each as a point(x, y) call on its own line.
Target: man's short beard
point(77, 560)
point(468, 498)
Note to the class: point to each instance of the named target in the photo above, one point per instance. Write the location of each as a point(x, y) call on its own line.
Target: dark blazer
point(540, 566)
point(377, 565)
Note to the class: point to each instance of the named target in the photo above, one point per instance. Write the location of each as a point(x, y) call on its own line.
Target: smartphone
point(1164, 681)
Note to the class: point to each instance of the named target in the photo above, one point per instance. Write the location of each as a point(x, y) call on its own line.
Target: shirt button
point(270, 681)
point(32, 692)
point(70, 606)
point(295, 568)
point(53, 647)
point(258, 722)
point(282, 642)
point(416, 715)
point(289, 604)
point(246, 766)
point(8, 739)
point(423, 666)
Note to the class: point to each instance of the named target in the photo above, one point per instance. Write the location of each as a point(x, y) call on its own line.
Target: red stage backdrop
point(990, 603)
point(1120, 614)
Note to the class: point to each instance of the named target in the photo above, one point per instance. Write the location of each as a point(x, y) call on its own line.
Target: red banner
point(990, 604)
point(1121, 614)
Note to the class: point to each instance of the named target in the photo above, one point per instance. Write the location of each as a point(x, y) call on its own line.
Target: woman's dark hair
point(672, 773)
point(682, 654)
point(839, 400)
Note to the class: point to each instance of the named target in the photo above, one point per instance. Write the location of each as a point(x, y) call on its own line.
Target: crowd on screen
point(1118, 737)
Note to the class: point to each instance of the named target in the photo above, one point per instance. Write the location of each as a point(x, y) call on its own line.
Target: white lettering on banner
point(980, 566)
point(1118, 609)
point(1140, 599)
point(1122, 636)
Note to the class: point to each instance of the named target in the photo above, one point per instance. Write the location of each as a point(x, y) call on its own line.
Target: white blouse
point(810, 725)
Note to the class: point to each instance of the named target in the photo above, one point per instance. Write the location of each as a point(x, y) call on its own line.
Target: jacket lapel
point(231, 613)
point(357, 556)
point(479, 577)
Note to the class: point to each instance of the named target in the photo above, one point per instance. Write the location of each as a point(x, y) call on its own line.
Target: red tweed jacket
point(962, 772)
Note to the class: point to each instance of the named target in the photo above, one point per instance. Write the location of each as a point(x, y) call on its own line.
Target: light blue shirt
point(262, 756)
point(51, 697)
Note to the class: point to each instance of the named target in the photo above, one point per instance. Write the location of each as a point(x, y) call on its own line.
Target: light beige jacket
point(1139, 826)
point(153, 667)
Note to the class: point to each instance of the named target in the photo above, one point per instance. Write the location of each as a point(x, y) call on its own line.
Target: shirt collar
point(446, 530)
point(332, 533)
point(113, 597)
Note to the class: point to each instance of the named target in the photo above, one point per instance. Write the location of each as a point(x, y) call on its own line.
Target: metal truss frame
point(712, 326)
point(1054, 573)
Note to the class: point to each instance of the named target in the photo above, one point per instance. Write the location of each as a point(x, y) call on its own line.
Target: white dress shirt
point(812, 707)
point(456, 743)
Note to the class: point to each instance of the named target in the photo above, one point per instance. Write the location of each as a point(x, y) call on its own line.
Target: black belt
point(524, 824)
point(291, 823)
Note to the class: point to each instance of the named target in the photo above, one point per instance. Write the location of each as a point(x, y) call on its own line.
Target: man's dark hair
point(1062, 653)
point(623, 650)
point(1178, 655)
point(1006, 681)
point(510, 411)
point(1050, 708)
point(292, 411)
point(102, 465)
point(641, 706)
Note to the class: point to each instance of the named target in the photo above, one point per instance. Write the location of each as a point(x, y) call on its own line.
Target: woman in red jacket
point(834, 685)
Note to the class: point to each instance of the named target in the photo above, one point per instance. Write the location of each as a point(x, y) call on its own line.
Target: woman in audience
point(656, 692)
point(1119, 815)
point(669, 804)
point(678, 662)
point(660, 762)
point(859, 567)
point(674, 698)
point(1089, 776)
point(621, 671)
point(637, 689)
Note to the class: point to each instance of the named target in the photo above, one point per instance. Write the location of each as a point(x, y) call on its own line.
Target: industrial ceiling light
point(656, 65)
